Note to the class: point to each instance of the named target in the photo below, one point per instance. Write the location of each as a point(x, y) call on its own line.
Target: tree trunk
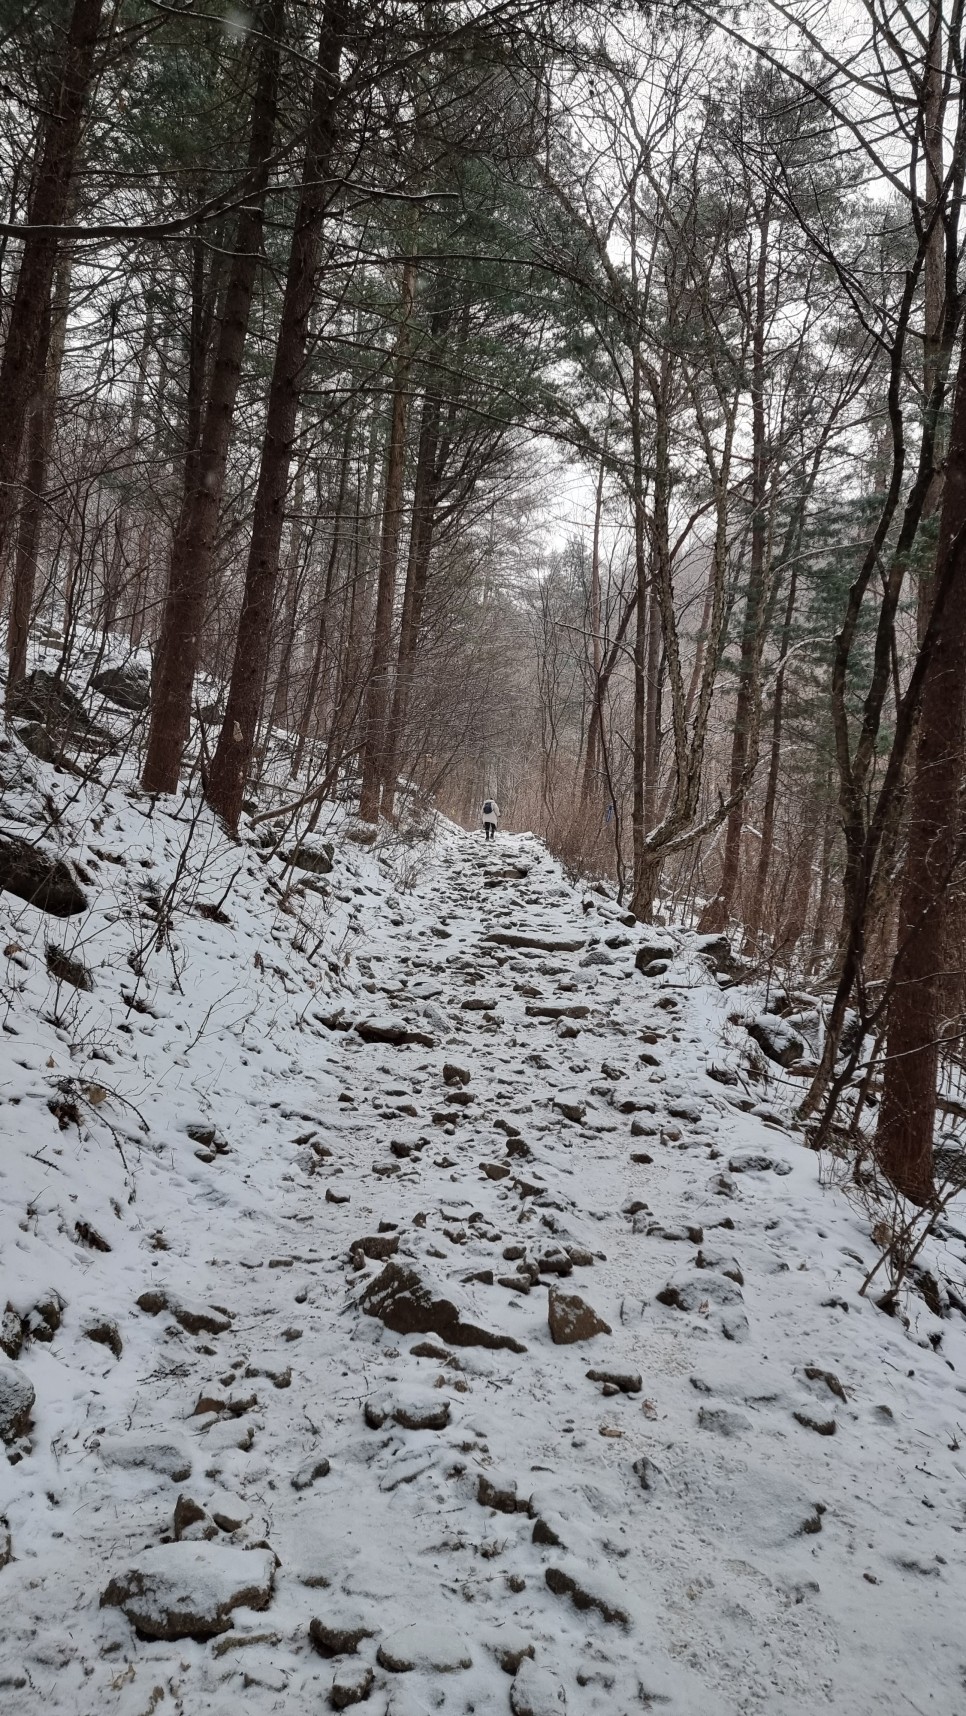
point(593, 729)
point(425, 494)
point(377, 698)
point(192, 551)
point(236, 741)
point(744, 744)
point(24, 355)
point(774, 764)
point(904, 1139)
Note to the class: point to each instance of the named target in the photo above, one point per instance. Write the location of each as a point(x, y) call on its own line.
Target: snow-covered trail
point(758, 1505)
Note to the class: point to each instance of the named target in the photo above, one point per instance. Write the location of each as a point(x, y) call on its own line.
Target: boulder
point(128, 687)
point(41, 696)
point(67, 970)
point(572, 1319)
point(11, 1333)
point(654, 952)
point(776, 1039)
point(540, 943)
point(317, 860)
point(351, 1684)
point(189, 1590)
point(16, 1402)
point(197, 1319)
point(339, 1634)
point(37, 877)
point(393, 1032)
point(414, 1409)
point(588, 1589)
point(407, 1303)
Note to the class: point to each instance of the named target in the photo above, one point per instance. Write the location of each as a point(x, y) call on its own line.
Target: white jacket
point(493, 814)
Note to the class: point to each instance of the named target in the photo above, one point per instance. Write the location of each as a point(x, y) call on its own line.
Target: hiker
point(491, 812)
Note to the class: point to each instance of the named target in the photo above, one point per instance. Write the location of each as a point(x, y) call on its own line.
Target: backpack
point(488, 807)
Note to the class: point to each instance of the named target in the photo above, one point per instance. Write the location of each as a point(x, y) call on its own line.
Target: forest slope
point(758, 1505)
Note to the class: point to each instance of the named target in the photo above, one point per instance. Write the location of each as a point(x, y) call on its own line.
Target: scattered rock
point(309, 1471)
point(42, 880)
point(831, 1381)
point(500, 1492)
point(168, 1458)
point(339, 1635)
point(588, 1589)
point(414, 1410)
point(626, 1381)
point(750, 1162)
point(572, 1319)
point(16, 1402)
point(317, 860)
point(106, 1334)
point(391, 1031)
point(11, 1333)
point(426, 1646)
point(776, 1039)
point(196, 1318)
point(351, 1684)
point(402, 1299)
point(377, 1246)
point(454, 1075)
point(188, 1590)
point(542, 943)
point(821, 1426)
point(67, 970)
point(571, 1104)
point(654, 952)
point(128, 687)
point(536, 1692)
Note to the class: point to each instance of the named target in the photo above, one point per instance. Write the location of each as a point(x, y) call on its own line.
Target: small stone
point(106, 1334)
point(831, 1381)
point(413, 1411)
point(500, 1492)
point(722, 1421)
point(339, 1636)
point(11, 1333)
point(588, 1590)
point(153, 1454)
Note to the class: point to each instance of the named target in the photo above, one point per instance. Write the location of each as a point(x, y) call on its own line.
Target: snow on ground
point(756, 1507)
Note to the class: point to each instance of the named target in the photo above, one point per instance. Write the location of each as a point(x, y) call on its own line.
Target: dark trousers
point(489, 830)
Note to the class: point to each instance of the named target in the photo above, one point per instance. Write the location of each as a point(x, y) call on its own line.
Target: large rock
point(394, 1032)
point(572, 1319)
point(776, 1039)
point(188, 1590)
point(425, 1646)
point(541, 943)
point(129, 687)
point(402, 1299)
point(41, 696)
point(16, 1402)
point(589, 1589)
point(37, 877)
point(318, 860)
point(159, 1454)
point(196, 1318)
point(652, 952)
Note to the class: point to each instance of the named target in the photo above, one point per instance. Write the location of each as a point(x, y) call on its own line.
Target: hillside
point(307, 1206)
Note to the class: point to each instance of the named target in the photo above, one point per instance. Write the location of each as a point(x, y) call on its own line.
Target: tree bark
point(24, 353)
point(233, 756)
point(189, 571)
point(904, 1138)
point(377, 696)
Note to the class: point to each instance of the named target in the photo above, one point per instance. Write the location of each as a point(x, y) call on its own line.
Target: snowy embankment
point(406, 1316)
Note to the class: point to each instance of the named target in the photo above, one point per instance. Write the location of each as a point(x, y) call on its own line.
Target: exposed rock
point(377, 1246)
point(597, 956)
point(361, 833)
point(426, 1646)
point(351, 1684)
point(188, 1590)
point(309, 1471)
point(588, 1589)
point(41, 696)
point(557, 1010)
point(572, 1319)
point(495, 1490)
point(626, 1381)
point(45, 1317)
point(571, 1104)
point(703, 1291)
point(454, 1075)
point(417, 1409)
point(191, 1523)
point(129, 687)
point(196, 1318)
point(821, 1426)
point(654, 952)
point(536, 1692)
point(11, 1333)
point(777, 1040)
point(393, 1032)
point(6, 1545)
point(316, 860)
point(154, 1454)
point(67, 970)
point(42, 880)
point(831, 1381)
point(541, 943)
point(16, 1402)
point(339, 1635)
point(106, 1334)
point(649, 1476)
point(406, 1303)
point(750, 1162)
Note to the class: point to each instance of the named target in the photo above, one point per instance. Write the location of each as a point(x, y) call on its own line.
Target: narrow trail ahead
point(755, 1507)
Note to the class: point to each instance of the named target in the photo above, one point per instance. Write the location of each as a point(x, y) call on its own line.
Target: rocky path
point(505, 1365)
